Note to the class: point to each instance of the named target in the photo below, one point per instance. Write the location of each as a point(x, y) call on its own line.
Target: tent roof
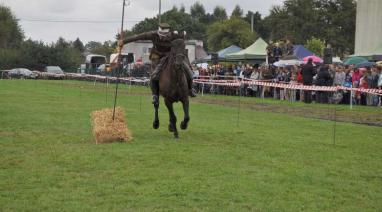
point(229, 50)
point(255, 51)
point(222, 53)
point(300, 51)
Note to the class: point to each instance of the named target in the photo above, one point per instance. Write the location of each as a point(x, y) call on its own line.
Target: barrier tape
point(296, 86)
point(238, 83)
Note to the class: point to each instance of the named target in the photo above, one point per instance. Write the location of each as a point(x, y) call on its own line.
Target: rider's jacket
point(161, 42)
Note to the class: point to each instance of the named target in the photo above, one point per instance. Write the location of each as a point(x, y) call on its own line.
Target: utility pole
point(160, 9)
point(252, 22)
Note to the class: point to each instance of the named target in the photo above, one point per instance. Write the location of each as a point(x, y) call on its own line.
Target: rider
point(161, 39)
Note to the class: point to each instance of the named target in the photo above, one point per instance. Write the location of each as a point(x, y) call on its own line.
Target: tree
point(338, 20)
point(77, 44)
point(258, 24)
point(106, 48)
point(329, 20)
point(237, 12)
point(11, 34)
point(219, 13)
point(233, 31)
point(315, 45)
point(182, 8)
point(92, 45)
point(197, 11)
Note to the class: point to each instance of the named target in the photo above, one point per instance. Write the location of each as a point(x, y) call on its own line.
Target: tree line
point(314, 23)
point(300, 21)
point(15, 51)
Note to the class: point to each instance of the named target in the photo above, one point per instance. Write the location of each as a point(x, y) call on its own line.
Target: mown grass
point(259, 161)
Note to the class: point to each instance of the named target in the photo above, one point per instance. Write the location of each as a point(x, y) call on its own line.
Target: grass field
point(228, 159)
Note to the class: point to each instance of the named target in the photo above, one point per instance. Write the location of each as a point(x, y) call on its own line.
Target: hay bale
point(105, 130)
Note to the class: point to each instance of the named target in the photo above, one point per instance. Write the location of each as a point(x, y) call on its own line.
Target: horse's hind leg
point(172, 124)
point(186, 119)
point(156, 118)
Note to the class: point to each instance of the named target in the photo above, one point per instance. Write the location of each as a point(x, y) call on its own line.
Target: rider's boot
point(189, 76)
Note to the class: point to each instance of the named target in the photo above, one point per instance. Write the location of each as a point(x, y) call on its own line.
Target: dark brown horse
point(173, 86)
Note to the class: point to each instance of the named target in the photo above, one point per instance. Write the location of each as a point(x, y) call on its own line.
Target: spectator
point(195, 70)
point(339, 76)
point(356, 76)
point(255, 76)
point(379, 84)
point(323, 79)
point(307, 77)
point(363, 83)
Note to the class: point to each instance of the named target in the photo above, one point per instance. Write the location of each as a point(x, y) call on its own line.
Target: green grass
point(263, 162)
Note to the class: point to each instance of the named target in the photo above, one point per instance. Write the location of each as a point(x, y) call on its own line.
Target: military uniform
point(159, 55)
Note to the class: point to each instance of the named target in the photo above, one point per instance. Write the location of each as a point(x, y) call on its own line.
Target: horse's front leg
point(186, 119)
point(172, 124)
point(156, 118)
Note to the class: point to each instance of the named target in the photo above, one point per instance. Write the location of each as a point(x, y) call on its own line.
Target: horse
point(173, 86)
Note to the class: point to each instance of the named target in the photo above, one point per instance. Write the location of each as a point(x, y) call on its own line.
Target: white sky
point(110, 11)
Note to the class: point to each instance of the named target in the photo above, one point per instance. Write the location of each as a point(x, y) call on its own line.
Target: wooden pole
point(120, 60)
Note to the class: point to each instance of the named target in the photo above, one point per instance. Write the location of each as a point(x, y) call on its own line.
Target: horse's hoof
point(183, 125)
point(170, 128)
point(156, 124)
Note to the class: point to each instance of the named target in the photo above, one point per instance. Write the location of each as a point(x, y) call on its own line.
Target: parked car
point(22, 73)
point(53, 72)
point(4, 74)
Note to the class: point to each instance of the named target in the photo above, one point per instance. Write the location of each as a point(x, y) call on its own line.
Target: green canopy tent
point(256, 51)
point(354, 60)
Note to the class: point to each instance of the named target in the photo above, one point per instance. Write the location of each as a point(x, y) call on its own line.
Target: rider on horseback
point(161, 39)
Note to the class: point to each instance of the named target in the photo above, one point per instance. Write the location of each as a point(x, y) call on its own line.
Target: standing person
point(289, 47)
point(356, 76)
point(307, 79)
point(363, 83)
point(161, 39)
point(323, 79)
point(339, 76)
point(379, 83)
point(347, 83)
point(255, 76)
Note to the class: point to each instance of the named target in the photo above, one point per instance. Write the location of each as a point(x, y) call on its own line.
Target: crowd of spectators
point(307, 74)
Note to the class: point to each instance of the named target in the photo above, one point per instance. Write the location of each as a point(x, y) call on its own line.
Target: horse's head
point(177, 50)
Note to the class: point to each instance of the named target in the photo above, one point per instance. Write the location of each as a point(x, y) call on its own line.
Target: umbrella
point(289, 57)
point(314, 58)
point(354, 60)
point(365, 64)
point(283, 63)
point(336, 60)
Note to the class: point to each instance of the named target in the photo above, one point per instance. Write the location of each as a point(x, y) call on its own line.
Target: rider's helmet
point(164, 29)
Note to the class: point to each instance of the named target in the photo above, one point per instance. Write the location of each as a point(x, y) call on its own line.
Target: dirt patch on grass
point(330, 113)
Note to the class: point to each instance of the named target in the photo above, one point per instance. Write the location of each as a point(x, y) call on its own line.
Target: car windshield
point(54, 69)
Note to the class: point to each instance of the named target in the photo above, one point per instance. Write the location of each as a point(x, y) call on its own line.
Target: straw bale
point(105, 130)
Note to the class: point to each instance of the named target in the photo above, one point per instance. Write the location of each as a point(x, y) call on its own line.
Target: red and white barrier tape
point(236, 83)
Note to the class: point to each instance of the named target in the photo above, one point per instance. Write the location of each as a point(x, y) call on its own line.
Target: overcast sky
point(38, 18)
